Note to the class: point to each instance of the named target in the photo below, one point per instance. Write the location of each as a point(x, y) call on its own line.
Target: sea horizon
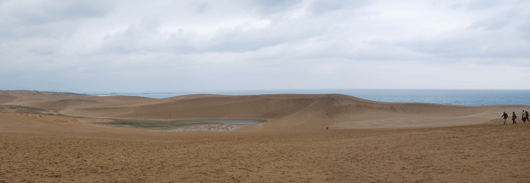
point(467, 97)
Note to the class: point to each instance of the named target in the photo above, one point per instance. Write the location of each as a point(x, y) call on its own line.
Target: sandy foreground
point(367, 141)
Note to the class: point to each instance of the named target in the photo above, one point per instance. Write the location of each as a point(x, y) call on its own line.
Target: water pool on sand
point(175, 124)
point(231, 121)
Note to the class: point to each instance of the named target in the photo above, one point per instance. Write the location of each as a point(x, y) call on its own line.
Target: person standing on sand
point(505, 116)
point(513, 118)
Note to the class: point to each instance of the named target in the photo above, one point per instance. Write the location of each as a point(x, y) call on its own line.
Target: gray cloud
point(498, 21)
point(41, 12)
point(147, 37)
point(481, 4)
point(273, 6)
point(133, 45)
point(40, 28)
point(47, 18)
point(469, 46)
point(321, 7)
point(524, 29)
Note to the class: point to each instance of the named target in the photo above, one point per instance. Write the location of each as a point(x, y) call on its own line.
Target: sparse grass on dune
point(153, 124)
point(146, 124)
point(25, 108)
point(68, 116)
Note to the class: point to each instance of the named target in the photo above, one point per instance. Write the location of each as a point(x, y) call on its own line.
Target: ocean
point(451, 97)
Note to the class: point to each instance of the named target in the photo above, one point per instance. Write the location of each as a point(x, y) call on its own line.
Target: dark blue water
point(452, 97)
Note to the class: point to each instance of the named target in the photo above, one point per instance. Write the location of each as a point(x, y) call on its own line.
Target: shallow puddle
point(184, 125)
point(231, 121)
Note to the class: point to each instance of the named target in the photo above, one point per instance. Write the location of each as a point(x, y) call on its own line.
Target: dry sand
point(367, 141)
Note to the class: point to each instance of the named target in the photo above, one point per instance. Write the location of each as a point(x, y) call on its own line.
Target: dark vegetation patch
point(153, 124)
point(24, 109)
point(78, 94)
point(146, 124)
point(66, 116)
point(6, 98)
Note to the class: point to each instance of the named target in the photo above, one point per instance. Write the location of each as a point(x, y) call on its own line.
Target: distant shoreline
point(433, 96)
point(448, 97)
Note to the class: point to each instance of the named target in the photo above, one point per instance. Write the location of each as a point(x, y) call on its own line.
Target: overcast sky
point(166, 45)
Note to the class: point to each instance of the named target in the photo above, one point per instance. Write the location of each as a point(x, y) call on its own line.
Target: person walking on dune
point(514, 117)
point(527, 116)
point(524, 117)
point(505, 116)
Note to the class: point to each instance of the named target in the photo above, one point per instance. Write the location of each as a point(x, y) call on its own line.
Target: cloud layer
point(136, 46)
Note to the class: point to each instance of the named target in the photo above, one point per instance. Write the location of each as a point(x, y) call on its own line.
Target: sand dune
point(368, 141)
point(282, 112)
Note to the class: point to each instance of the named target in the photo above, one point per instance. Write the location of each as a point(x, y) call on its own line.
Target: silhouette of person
point(505, 116)
point(524, 117)
point(514, 117)
point(527, 116)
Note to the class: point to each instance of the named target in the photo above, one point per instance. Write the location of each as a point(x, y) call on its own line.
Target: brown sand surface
point(368, 141)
